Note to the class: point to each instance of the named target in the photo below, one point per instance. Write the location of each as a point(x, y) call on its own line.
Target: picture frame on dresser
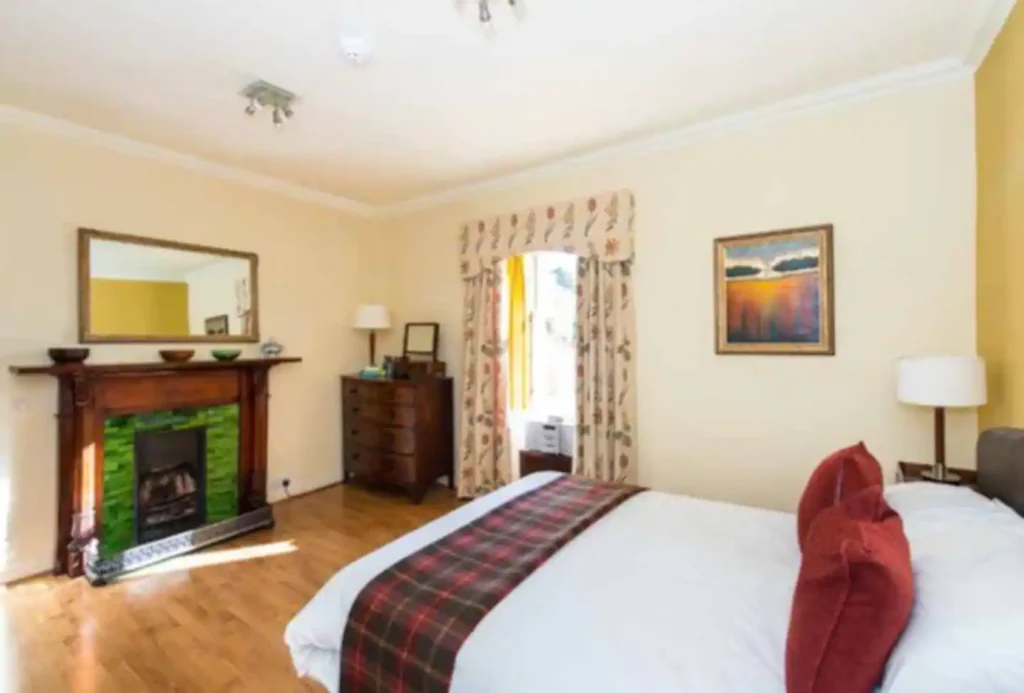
point(420, 340)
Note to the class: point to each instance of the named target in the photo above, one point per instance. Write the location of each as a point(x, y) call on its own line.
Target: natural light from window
point(216, 557)
point(550, 335)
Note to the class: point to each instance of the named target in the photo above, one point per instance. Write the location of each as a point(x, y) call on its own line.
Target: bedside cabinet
point(531, 461)
point(397, 432)
point(913, 471)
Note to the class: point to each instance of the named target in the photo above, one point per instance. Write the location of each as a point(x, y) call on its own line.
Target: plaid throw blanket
point(408, 624)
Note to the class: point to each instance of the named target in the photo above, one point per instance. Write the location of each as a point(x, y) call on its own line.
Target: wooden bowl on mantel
point(65, 356)
point(177, 355)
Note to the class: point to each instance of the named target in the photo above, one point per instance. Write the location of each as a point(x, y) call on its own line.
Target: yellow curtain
point(518, 335)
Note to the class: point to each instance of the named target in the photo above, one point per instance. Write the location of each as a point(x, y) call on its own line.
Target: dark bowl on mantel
point(63, 356)
point(177, 355)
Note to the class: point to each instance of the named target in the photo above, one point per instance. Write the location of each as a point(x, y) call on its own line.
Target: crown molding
point(983, 37)
point(889, 83)
point(126, 145)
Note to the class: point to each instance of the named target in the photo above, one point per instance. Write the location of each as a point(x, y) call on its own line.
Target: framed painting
point(774, 293)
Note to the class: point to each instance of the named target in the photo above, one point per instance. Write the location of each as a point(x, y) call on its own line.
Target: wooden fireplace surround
point(88, 394)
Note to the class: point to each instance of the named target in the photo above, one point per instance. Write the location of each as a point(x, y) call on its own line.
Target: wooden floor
point(198, 628)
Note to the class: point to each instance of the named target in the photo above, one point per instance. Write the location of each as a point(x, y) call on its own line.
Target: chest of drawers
point(397, 432)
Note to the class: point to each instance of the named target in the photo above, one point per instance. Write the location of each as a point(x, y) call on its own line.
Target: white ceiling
point(440, 106)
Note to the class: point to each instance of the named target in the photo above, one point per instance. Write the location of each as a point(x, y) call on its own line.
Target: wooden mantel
point(89, 393)
point(130, 368)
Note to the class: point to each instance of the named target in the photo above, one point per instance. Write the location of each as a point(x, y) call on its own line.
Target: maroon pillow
point(852, 600)
point(840, 475)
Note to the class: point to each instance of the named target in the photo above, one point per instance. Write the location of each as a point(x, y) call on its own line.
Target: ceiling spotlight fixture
point(262, 94)
point(487, 19)
point(254, 105)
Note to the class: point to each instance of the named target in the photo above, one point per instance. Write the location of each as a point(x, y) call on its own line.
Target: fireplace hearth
point(170, 482)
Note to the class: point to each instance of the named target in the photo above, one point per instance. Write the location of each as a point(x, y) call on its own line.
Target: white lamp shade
point(372, 317)
point(942, 381)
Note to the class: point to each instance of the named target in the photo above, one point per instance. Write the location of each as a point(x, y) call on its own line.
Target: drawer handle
point(353, 432)
point(355, 455)
point(355, 410)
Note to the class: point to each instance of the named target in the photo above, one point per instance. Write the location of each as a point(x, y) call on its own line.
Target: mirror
point(420, 339)
point(135, 289)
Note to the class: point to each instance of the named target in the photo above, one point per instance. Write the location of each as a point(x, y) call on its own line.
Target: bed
point(670, 593)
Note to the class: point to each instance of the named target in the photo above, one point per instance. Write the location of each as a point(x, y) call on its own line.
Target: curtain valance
point(598, 227)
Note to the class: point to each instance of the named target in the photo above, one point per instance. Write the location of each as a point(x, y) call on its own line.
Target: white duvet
point(674, 594)
point(666, 593)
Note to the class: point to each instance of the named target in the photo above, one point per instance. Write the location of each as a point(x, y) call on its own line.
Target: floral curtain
point(485, 460)
point(600, 230)
point(605, 393)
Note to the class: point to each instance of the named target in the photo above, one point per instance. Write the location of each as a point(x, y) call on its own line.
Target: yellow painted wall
point(999, 95)
point(137, 307)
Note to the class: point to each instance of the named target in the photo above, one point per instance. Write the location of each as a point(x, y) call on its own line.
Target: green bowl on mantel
point(226, 354)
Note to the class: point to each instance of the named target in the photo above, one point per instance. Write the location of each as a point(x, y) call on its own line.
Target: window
point(542, 358)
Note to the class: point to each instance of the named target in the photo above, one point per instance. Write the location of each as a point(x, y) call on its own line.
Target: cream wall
point(310, 279)
point(896, 176)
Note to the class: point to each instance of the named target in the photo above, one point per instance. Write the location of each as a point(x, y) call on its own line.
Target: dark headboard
point(1001, 466)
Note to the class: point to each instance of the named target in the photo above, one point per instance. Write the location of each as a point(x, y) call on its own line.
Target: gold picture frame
point(86, 334)
point(774, 293)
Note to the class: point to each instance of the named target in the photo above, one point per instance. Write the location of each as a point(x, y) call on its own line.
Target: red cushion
point(852, 600)
point(839, 476)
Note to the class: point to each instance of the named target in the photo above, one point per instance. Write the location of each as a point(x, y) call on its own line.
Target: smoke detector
point(357, 49)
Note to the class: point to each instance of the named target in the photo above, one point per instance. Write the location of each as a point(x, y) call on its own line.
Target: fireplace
point(156, 459)
point(170, 482)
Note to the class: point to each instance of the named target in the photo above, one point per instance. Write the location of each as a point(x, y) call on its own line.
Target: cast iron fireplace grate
point(170, 482)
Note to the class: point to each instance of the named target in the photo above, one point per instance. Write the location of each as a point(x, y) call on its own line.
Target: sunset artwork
point(774, 292)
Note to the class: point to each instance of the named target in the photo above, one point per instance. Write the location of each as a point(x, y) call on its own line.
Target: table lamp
point(941, 382)
point(372, 317)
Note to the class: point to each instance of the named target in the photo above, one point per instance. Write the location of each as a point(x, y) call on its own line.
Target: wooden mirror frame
point(405, 340)
point(85, 335)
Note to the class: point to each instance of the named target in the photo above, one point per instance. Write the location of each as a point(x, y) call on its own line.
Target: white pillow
point(922, 496)
point(966, 633)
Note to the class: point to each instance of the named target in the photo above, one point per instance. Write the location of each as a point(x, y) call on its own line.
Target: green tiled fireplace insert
point(117, 528)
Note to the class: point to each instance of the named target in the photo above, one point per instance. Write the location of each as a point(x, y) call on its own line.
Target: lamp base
point(941, 475)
